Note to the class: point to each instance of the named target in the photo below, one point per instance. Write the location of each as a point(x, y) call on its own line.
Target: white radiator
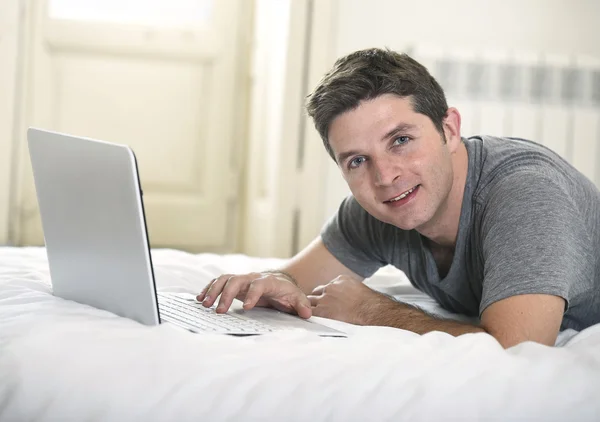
point(550, 99)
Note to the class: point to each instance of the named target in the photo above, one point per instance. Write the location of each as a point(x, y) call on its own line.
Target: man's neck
point(442, 229)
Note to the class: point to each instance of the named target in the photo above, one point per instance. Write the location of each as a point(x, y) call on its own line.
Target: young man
point(499, 228)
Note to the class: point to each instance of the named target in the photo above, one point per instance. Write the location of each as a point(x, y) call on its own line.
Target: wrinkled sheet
point(63, 361)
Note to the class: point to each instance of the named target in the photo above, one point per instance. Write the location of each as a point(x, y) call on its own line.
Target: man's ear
point(451, 126)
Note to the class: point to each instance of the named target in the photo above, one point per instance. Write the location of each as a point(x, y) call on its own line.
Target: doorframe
point(21, 119)
point(311, 182)
point(8, 145)
point(282, 216)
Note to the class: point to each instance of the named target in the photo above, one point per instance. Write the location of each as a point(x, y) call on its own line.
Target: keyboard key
point(206, 319)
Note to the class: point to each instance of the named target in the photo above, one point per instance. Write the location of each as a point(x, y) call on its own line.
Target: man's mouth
point(402, 195)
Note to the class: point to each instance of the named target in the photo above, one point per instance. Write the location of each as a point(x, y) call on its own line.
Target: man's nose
point(386, 171)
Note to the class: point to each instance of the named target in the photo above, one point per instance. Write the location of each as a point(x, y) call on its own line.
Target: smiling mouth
point(402, 195)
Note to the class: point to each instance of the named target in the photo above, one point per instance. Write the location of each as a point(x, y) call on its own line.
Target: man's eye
point(356, 162)
point(400, 140)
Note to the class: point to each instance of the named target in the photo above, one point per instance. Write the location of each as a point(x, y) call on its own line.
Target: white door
point(166, 78)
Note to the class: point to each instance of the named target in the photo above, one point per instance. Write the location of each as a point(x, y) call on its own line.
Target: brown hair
point(367, 74)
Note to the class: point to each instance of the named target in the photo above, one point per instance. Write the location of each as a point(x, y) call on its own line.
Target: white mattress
point(62, 361)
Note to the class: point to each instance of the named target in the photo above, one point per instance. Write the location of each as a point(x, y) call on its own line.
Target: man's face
point(395, 162)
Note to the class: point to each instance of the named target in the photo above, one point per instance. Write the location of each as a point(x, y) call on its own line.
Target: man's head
point(385, 122)
point(367, 74)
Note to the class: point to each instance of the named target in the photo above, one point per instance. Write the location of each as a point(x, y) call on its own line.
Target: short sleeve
point(534, 240)
point(355, 238)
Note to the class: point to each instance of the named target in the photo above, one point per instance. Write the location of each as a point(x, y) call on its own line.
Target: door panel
point(174, 95)
point(168, 154)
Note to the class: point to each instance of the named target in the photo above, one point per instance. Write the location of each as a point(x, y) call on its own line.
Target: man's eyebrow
point(399, 128)
point(342, 157)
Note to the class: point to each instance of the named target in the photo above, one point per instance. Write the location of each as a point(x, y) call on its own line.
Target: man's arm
point(315, 265)
point(534, 317)
point(530, 317)
point(511, 321)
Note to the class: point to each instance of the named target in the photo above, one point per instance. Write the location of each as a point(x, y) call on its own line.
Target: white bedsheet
point(62, 361)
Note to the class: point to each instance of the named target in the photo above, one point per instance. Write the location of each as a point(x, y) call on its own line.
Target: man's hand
point(256, 289)
point(349, 300)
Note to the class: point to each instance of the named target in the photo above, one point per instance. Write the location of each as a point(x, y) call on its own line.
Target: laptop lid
point(93, 221)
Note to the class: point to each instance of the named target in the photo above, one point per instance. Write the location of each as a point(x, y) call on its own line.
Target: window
point(154, 13)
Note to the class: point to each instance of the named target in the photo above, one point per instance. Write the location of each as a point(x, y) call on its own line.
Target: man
point(503, 229)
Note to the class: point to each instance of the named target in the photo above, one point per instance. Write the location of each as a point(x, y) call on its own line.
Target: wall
point(548, 25)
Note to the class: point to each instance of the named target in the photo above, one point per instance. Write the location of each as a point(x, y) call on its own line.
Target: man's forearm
point(407, 317)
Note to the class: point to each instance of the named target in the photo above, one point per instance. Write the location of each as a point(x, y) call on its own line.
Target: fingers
point(293, 298)
point(333, 284)
point(317, 310)
point(319, 290)
point(314, 299)
point(252, 288)
point(256, 290)
point(202, 294)
point(212, 290)
point(303, 306)
point(234, 285)
point(322, 311)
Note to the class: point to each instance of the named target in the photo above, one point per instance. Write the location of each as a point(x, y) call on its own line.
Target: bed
point(63, 361)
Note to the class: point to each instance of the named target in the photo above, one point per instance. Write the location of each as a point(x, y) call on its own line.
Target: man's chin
point(401, 224)
point(405, 227)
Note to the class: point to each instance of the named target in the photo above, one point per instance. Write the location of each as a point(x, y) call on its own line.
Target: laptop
point(94, 227)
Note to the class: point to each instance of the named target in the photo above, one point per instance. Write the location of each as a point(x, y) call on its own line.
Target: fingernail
point(205, 301)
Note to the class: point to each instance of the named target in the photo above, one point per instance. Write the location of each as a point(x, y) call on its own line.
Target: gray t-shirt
point(529, 223)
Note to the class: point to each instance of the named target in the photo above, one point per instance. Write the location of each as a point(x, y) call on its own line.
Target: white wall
point(548, 25)
point(552, 26)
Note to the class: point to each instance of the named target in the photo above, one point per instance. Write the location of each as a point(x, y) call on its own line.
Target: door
point(166, 78)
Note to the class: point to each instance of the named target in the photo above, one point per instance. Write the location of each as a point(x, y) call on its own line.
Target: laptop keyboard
point(191, 313)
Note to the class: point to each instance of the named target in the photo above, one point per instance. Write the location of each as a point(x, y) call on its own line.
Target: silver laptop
point(98, 250)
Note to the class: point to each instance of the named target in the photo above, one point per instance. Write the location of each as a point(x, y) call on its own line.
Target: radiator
point(547, 98)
